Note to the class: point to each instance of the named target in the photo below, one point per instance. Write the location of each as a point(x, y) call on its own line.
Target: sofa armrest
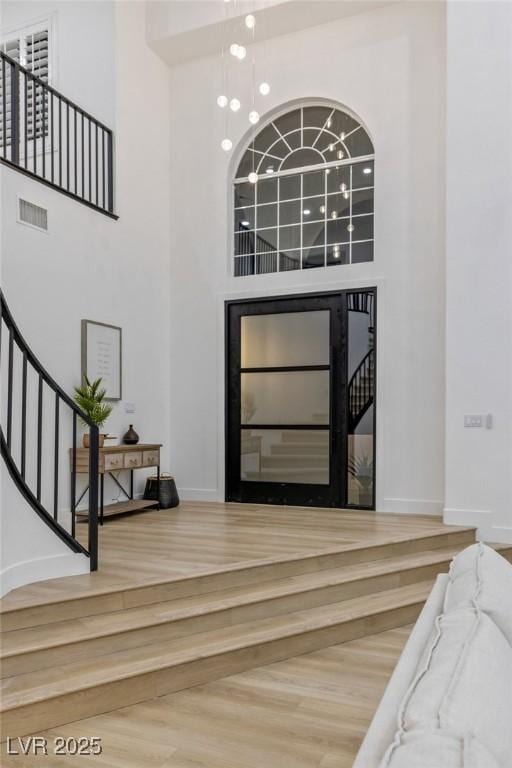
point(384, 724)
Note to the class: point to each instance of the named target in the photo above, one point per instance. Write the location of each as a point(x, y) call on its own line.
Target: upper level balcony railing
point(48, 137)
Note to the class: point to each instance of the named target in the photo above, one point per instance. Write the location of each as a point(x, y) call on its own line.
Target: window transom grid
point(315, 207)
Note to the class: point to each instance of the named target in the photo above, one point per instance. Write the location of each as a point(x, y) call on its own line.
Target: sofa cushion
point(482, 576)
point(464, 682)
point(438, 749)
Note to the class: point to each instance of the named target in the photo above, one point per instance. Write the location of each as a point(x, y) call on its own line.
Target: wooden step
point(38, 700)
point(297, 448)
point(304, 436)
point(115, 598)
point(291, 475)
point(295, 461)
point(64, 642)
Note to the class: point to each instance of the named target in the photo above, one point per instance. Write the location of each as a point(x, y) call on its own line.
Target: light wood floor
point(202, 537)
point(310, 711)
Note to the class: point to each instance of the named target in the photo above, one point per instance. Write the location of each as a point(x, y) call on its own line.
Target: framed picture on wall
point(102, 356)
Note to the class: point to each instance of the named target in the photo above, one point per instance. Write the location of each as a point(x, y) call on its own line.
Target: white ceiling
point(181, 30)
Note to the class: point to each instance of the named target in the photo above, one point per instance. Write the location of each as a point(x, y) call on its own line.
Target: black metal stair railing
point(36, 415)
point(361, 390)
point(46, 136)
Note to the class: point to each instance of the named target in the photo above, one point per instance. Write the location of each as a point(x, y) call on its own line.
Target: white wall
point(84, 51)
point(38, 553)
point(388, 67)
point(88, 265)
point(479, 266)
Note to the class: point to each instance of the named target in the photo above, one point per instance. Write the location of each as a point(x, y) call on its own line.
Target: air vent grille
point(32, 214)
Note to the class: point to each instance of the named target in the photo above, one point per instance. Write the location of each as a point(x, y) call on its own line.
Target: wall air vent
point(32, 214)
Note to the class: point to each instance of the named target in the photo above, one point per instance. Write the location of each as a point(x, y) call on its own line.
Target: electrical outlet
point(473, 420)
point(129, 407)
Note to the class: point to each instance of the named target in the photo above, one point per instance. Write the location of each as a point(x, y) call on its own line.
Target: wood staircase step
point(290, 475)
point(295, 461)
point(298, 449)
point(46, 698)
point(64, 642)
point(92, 602)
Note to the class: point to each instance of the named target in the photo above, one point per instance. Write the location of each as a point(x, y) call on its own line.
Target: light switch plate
point(129, 407)
point(473, 420)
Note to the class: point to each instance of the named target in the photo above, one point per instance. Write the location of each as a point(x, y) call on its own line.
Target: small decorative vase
point(131, 437)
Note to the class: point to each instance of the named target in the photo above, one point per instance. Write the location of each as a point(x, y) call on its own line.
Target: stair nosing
point(234, 568)
point(238, 645)
point(290, 590)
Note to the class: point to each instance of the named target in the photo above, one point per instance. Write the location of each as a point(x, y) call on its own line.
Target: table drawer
point(133, 459)
point(151, 458)
point(113, 461)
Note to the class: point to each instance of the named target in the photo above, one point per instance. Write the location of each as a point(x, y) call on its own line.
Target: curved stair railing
point(361, 390)
point(32, 397)
point(363, 301)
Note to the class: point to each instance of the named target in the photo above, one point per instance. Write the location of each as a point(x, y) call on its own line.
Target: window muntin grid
point(302, 213)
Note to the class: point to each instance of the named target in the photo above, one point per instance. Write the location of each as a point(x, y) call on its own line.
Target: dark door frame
point(335, 494)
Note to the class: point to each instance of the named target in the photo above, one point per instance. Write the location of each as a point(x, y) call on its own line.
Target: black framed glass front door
point(287, 421)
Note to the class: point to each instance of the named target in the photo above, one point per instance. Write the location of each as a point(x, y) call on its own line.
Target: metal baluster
point(83, 158)
point(90, 173)
point(34, 125)
point(15, 114)
point(43, 108)
point(24, 415)
point(51, 137)
point(93, 495)
point(4, 111)
point(67, 146)
point(96, 161)
point(25, 123)
point(56, 460)
point(75, 154)
point(9, 387)
point(73, 477)
point(103, 165)
point(39, 435)
point(60, 141)
point(110, 161)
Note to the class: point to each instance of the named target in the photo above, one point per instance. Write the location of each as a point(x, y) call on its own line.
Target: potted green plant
point(90, 399)
point(361, 469)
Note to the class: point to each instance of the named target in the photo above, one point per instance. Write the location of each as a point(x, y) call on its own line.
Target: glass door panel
point(286, 383)
point(285, 397)
point(285, 339)
point(285, 456)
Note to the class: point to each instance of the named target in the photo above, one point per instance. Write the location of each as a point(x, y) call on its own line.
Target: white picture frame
point(102, 356)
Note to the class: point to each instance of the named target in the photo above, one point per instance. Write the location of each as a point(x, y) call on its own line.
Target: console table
point(113, 458)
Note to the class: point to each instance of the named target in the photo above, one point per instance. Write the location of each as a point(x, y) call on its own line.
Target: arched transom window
point(303, 194)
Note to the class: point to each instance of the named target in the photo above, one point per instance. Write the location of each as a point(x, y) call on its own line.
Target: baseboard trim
point(40, 569)
point(429, 507)
point(476, 517)
point(498, 534)
point(199, 494)
point(481, 519)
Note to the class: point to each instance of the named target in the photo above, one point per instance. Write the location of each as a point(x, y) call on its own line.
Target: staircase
point(69, 659)
point(32, 403)
point(361, 387)
point(299, 456)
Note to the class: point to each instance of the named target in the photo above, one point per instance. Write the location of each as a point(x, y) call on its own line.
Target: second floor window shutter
point(36, 61)
point(31, 50)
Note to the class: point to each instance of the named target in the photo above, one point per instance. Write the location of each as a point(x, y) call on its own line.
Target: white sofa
point(449, 701)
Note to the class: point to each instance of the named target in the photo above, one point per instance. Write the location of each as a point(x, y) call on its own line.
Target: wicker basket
point(168, 493)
